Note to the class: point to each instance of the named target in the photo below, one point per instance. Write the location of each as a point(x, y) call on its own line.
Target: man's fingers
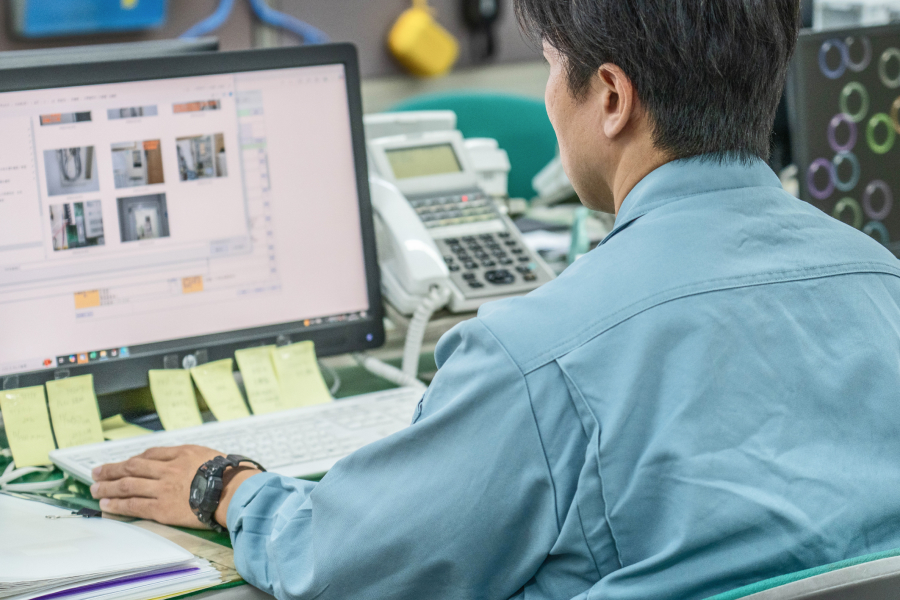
point(127, 487)
point(142, 508)
point(133, 467)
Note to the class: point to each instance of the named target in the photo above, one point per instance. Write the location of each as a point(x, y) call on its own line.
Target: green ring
point(853, 205)
point(855, 86)
point(882, 119)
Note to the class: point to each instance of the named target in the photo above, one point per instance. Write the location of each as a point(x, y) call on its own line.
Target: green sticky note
point(299, 377)
point(216, 382)
point(74, 411)
point(27, 426)
point(260, 380)
point(173, 395)
point(117, 428)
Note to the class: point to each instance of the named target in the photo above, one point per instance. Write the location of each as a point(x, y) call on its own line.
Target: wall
point(363, 22)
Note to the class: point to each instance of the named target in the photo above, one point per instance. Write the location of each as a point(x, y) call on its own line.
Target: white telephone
point(411, 265)
point(438, 232)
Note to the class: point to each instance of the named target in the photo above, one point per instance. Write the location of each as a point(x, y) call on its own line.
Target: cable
point(12, 473)
point(335, 378)
point(212, 22)
point(415, 333)
point(270, 16)
point(266, 14)
point(388, 372)
point(63, 157)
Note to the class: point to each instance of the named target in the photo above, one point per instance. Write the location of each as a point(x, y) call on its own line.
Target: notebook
point(75, 558)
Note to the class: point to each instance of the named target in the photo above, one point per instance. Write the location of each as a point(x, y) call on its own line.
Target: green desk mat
point(354, 381)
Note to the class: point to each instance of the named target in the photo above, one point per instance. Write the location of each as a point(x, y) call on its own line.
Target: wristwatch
point(206, 489)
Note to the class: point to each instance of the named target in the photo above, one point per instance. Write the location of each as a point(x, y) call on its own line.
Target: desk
point(355, 380)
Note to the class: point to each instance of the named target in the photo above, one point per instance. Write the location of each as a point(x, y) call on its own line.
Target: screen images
point(71, 171)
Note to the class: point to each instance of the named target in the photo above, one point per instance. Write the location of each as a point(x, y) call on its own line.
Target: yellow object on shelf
point(421, 44)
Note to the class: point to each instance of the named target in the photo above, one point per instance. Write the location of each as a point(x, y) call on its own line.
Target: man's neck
point(636, 162)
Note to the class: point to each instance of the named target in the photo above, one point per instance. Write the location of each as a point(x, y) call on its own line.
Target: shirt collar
point(689, 177)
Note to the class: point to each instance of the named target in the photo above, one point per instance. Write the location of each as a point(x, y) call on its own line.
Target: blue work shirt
point(708, 399)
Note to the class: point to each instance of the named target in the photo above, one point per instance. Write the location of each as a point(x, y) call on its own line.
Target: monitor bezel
point(330, 338)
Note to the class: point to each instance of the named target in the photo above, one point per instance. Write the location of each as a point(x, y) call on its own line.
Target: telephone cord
point(415, 333)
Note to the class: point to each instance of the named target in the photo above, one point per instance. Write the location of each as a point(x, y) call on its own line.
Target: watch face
point(198, 490)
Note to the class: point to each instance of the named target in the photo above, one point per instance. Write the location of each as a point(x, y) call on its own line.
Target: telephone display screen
point(424, 161)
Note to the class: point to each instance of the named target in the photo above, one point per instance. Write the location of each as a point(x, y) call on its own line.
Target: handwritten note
point(216, 382)
point(299, 376)
point(173, 395)
point(260, 380)
point(74, 411)
point(27, 426)
point(117, 428)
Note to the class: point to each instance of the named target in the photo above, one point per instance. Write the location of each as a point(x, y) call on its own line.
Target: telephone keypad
point(490, 261)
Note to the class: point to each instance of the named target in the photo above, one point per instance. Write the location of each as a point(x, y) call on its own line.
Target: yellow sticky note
point(117, 428)
point(173, 395)
point(73, 408)
point(216, 382)
point(299, 376)
point(27, 426)
point(260, 380)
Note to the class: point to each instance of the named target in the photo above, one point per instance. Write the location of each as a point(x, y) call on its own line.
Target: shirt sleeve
point(458, 505)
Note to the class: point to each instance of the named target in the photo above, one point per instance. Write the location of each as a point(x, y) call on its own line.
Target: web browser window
point(141, 212)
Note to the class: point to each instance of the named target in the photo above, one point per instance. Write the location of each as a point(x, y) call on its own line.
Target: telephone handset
point(439, 231)
point(411, 265)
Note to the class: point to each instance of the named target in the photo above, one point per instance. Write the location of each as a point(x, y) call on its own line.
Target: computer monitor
point(67, 55)
point(844, 100)
point(165, 212)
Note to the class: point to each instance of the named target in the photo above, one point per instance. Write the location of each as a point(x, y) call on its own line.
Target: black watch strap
point(207, 486)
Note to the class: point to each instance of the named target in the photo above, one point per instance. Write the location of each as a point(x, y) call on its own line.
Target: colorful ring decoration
point(846, 186)
point(880, 229)
point(849, 89)
point(890, 82)
point(885, 146)
point(885, 190)
point(832, 133)
point(853, 205)
point(823, 58)
point(821, 163)
point(895, 114)
point(858, 67)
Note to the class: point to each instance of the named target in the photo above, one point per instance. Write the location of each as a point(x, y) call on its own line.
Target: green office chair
point(519, 124)
point(871, 577)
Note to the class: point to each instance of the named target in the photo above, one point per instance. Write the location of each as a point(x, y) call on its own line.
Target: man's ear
point(617, 99)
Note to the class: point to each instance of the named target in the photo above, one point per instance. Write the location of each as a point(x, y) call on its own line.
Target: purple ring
point(820, 163)
point(882, 214)
point(823, 58)
point(832, 129)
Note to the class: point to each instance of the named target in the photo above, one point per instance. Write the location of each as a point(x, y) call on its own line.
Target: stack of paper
point(77, 558)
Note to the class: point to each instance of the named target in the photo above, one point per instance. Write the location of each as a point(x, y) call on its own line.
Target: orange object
point(87, 299)
point(192, 285)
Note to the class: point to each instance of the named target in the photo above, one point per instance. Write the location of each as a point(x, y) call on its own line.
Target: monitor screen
point(844, 97)
point(142, 216)
point(424, 161)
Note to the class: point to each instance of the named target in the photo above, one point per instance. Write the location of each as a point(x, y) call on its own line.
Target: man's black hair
point(710, 73)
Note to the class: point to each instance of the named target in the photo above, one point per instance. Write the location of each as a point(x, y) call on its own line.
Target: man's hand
point(156, 485)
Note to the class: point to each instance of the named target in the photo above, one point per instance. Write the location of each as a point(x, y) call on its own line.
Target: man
point(706, 400)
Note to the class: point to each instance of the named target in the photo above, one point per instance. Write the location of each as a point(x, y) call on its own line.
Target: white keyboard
point(297, 442)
